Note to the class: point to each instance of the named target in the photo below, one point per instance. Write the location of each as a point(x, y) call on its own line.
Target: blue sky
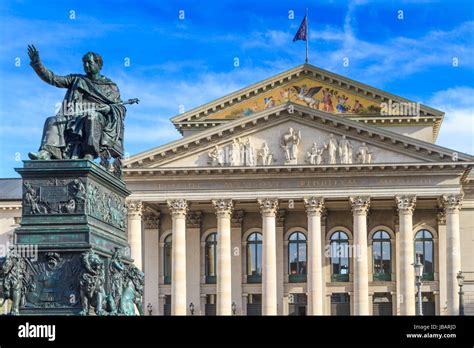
point(190, 61)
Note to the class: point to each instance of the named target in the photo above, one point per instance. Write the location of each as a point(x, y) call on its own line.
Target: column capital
point(405, 204)
point(451, 204)
point(223, 207)
point(152, 221)
point(135, 209)
point(360, 204)
point(280, 217)
point(177, 206)
point(268, 206)
point(193, 219)
point(314, 206)
point(237, 218)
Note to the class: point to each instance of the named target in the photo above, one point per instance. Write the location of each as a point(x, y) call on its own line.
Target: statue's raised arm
point(90, 121)
point(44, 74)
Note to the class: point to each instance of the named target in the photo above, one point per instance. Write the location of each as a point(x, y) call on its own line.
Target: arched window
point(210, 257)
point(339, 257)
point(297, 257)
point(254, 258)
point(168, 248)
point(381, 256)
point(424, 248)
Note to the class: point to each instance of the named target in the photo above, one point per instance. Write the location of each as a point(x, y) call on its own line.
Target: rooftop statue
point(90, 122)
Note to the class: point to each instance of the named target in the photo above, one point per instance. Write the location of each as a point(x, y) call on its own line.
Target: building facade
point(306, 193)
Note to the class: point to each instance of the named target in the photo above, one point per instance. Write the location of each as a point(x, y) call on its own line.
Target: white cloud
point(457, 130)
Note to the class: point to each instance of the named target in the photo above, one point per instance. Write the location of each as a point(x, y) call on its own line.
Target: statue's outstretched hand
point(33, 53)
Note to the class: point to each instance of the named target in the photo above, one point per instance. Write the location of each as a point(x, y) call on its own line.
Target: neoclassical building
point(305, 193)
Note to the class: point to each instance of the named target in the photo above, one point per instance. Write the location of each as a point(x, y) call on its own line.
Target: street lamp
point(234, 308)
point(191, 308)
point(460, 278)
point(150, 308)
point(419, 274)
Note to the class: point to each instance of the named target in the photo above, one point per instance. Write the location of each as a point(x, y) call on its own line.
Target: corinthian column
point(268, 208)
point(360, 208)
point(134, 214)
point(314, 209)
point(406, 207)
point(224, 256)
point(178, 209)
point(452, 204)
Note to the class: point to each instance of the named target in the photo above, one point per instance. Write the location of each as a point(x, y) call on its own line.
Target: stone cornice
point(382, 167)
point(323, 120)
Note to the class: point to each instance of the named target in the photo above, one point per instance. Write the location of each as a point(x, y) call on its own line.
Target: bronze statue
point(90, 122)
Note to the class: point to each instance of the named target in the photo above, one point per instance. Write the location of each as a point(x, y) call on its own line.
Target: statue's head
point(92, 63)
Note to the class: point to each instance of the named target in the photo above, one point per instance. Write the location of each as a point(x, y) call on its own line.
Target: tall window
point(424, 248)
point(167, 258)
point(381, 256)
point(254, 258)
point(339, 257)
point(297, 257)
point(211, 248)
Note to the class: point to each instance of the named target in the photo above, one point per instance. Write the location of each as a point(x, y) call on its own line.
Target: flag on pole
point(302, 33)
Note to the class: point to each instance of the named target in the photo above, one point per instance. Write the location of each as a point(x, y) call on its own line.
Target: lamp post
point(419, 275)
point(460, 278)
point(191, 308)
point(234, 308)
point(149, 307)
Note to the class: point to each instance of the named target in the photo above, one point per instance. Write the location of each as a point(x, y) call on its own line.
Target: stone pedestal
point(70, 207)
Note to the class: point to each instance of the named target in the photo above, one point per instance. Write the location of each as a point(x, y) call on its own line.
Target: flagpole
point(307, 35)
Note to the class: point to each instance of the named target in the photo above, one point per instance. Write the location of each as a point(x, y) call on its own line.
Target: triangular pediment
point(317, 134)
point(309, 86)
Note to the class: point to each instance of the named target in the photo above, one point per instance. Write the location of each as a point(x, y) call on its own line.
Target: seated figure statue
point(90, 123)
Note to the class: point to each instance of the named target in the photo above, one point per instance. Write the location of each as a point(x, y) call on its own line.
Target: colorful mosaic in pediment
point(307, 92)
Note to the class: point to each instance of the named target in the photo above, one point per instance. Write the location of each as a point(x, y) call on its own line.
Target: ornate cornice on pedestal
point(268, 206)
point(405, 204)
point(135, 209)
point(314, 206)
point(193, 219)
point(223, 207)
point(451, 203)
point(360, 205)
point(152, 221)
point(237, 218)
point(177, 206)
point(280, 218)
